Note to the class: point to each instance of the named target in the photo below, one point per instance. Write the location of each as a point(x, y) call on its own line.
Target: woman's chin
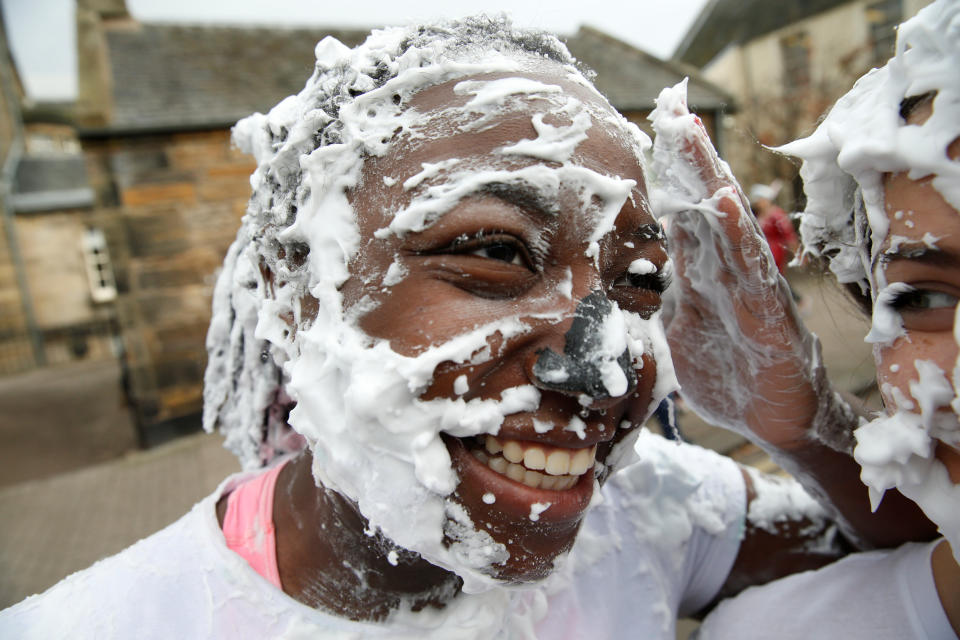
point(535, 525)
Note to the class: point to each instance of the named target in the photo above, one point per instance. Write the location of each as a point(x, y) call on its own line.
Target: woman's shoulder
point(901, 601)
point(666, 490)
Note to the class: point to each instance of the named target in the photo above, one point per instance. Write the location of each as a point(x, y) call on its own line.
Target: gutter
point(7, 175)
point(92, 133)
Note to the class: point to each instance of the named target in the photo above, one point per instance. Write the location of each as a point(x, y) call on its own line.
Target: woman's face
point(549, 256)
point(922, 250)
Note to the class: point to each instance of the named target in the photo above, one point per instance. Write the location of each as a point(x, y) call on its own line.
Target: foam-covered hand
point(743, 357)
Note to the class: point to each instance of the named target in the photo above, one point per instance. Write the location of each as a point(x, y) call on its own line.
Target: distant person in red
point(774, 222)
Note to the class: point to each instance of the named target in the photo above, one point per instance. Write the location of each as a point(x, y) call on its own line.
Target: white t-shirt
point(662, 541)
point(880, 595)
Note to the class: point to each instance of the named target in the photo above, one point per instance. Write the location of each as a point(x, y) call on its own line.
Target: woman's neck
point(329, 560)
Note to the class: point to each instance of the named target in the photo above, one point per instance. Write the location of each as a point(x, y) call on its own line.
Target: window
point(103, 288)
point(795, 50)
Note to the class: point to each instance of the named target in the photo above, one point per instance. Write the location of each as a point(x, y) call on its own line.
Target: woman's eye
point(499, 246)
point(923, 299)
point(500, 251)
point(489, 264)
point(927, 310)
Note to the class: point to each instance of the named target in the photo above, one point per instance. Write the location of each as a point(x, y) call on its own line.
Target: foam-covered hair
point(865, 136)
point(262, 296)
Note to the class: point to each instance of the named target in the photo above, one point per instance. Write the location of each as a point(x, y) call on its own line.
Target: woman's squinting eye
point(925, 309)
point(499, 246)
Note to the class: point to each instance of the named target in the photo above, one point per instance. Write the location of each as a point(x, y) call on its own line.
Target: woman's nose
point(590, 364)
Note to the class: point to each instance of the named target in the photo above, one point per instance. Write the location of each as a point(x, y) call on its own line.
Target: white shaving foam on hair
point(864, 137)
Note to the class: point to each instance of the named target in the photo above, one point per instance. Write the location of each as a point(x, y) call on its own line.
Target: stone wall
point(16, 352)
point(774, 110)
point(175, 202)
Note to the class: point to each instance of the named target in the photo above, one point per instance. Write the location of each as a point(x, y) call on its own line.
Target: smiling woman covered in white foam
point(440, 327)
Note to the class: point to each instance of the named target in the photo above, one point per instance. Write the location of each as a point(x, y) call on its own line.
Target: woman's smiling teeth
point(535, 465)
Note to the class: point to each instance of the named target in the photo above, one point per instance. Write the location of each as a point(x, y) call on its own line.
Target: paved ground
point(62, 507)
point(52, 527)
point(62, 418)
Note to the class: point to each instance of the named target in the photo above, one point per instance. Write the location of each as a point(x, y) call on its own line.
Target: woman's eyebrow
point(525, 197)
point(922, 253)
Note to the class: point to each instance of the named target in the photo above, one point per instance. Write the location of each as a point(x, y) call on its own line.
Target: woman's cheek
point(894, 371)
point(896, 367)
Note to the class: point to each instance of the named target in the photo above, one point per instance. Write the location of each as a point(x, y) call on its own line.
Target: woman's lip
point(514, 499)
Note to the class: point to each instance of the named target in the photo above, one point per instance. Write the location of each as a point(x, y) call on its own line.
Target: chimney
point(94, 78)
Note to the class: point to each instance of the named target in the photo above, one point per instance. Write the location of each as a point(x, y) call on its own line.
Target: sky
point(41, 32)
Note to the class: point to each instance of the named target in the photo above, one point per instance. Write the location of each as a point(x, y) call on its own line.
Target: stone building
point(55, 223)
point(786, 62)
point(632, 79)
point(17, 350)
point(165, 189)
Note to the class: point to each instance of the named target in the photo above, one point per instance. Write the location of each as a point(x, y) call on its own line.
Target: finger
point(700, 151)
point(683, 247)
point(742, 244)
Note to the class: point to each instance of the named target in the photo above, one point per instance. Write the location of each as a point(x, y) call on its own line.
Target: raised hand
point(743, 357)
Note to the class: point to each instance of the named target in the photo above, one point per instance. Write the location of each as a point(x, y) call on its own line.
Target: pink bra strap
point(248, 524)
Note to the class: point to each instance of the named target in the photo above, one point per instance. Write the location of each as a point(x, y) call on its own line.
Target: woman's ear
point(293, 313)
point(309, 307)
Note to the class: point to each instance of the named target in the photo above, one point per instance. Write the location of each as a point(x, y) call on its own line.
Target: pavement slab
point(60, 418)
point(52, 527)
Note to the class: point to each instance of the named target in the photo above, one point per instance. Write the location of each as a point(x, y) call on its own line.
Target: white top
point(662, 541)
point(880, 595)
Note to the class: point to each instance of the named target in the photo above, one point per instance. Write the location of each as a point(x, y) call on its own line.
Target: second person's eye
point(921, 299)
point(924, 309)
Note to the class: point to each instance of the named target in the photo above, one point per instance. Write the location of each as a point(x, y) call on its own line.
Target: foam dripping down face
point(883, 167)
point(488, 350)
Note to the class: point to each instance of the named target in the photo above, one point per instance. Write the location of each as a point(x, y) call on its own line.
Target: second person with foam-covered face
point(883, 210)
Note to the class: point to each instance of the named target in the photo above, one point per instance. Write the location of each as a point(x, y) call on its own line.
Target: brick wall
point(16, 352)
point(176, 201)
point(71, 325)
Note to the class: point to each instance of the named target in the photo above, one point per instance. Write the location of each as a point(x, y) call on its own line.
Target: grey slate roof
point(631, 78)
point(50, 173)
point(46, 183)
point(183, 77)
point(725, 22)
point(177, 77)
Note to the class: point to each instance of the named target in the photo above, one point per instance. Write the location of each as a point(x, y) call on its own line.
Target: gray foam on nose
point(576, 371)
